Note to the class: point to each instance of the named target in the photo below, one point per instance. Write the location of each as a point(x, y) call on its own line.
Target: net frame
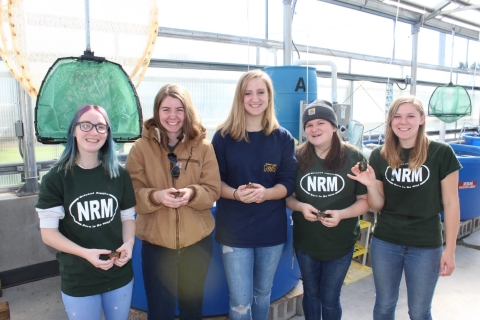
point(442, 95)
point(20, 22)
point(62, 112)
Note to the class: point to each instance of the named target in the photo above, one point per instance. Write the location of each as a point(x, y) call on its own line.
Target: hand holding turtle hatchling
point(178, 194)
point(322, 214)
point(113, 254)
point(362, 166)
point(363, 173)
point(251, 192)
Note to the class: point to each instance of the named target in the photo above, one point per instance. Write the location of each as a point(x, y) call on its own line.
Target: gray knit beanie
point(319, 109)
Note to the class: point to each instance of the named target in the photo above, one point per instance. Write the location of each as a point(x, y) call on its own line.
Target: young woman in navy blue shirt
point(256, 158)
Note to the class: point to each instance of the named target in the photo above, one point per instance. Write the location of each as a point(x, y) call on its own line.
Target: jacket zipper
point(178, 227)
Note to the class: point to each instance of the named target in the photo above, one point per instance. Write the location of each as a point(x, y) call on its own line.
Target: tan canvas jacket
point(149, 169)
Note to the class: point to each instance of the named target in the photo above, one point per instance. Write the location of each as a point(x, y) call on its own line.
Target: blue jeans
point(250, 273)
point(115, 305)
point(168, 272)
point(422, 269)
point(322, 284)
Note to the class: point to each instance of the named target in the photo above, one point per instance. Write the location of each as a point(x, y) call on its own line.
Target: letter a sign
point(300, 85)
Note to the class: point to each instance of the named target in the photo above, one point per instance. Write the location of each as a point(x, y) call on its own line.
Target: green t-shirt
point(327, 191)
point(413, 200)
point(92, 203)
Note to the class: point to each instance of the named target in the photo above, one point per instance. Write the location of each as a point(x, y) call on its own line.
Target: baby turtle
point(177, 194)
point(362, 166)
point(322, 214)
point(113, 254)
point(250, 186)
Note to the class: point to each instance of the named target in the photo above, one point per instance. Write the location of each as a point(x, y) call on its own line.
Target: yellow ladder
point(363, 249)
point(358, 271)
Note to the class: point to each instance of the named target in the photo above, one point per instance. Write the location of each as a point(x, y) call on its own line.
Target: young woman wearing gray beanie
point(326, 206)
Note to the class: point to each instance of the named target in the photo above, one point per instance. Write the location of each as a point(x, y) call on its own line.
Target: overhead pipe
point(414, 64)
point(323, 62)
point(287, 32)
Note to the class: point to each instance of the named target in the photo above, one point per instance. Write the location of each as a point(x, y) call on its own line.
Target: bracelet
point(234, 197)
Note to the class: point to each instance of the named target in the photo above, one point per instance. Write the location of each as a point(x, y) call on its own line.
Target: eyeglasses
point(175, 172)
point(87, 127)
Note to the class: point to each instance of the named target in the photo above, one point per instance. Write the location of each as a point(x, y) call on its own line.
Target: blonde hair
point(392, 150)
point(192, 127)
point(235, 124)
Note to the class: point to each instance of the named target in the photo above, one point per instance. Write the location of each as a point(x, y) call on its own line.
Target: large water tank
point(468, 177)
point(292, 84)
point(215, 296)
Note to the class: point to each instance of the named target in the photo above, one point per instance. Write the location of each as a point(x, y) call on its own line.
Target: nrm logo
point(322, 184)
point(94, 209)
point(407, 177)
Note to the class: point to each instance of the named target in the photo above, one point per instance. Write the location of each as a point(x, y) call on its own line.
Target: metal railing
point(42, 166)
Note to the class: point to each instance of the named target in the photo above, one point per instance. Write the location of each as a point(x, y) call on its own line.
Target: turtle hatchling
point(362, 166)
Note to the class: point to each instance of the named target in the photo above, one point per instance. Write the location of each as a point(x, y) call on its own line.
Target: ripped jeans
point(250, 273)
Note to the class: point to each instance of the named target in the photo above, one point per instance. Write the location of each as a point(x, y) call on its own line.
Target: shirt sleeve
point(128, 198)
point(449, 162)
point(374, 162)
point(50, 218)
point(288, 168)
point(360, 188)
point(128, 214)
point(51, 190)
point(219, 147)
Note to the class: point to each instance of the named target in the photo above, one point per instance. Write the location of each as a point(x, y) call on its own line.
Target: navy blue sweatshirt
point(266, 160)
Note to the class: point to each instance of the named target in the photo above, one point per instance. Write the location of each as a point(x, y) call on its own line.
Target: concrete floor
point(456, 297)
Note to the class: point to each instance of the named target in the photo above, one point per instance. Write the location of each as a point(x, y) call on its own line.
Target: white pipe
point(442, 131)
point(287, 32)
point(87, 24)
point(414, 65)
point(323, 62)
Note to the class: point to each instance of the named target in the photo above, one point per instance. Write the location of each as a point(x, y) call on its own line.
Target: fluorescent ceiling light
point(404, 6)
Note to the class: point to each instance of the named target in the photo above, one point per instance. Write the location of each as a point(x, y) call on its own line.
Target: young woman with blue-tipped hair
point(86, 210)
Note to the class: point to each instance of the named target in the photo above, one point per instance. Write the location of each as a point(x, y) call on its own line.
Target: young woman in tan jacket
point(176, 181)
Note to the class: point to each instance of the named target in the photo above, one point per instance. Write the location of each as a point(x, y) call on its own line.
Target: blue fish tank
point(468, 180)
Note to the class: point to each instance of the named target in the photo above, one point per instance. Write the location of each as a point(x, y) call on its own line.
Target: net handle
point(87, 25)
point(451, 59)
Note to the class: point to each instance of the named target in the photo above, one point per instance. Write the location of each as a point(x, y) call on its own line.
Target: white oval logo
point(94, 209)
point(322, 184)
point(405, 178)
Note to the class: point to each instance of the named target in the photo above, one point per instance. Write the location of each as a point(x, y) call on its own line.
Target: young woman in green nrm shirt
point(326, 207)
point(86, 210)
point(411, 180)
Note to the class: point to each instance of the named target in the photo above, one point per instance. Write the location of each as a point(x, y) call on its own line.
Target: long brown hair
point(335, 160)
point(192, 127)
point(235, 124)
point(392, 150)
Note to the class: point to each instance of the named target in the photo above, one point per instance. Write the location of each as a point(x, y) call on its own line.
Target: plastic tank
point(292, 84)
point(215, 299)
point(472, 139)
point(469, 177)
